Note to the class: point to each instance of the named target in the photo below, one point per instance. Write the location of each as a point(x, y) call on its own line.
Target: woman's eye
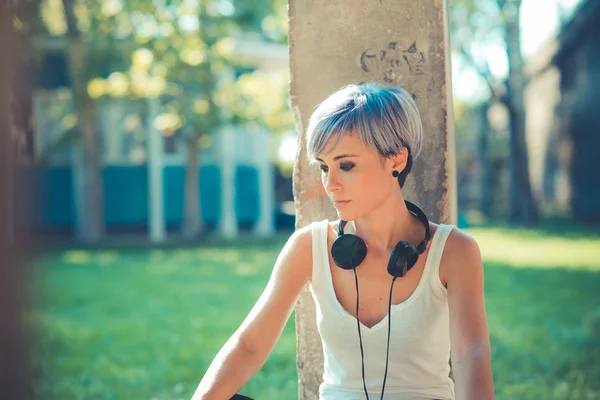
point(343, 167)
point(346, 166)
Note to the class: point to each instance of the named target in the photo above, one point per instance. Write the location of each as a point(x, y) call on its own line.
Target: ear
point(399, 160)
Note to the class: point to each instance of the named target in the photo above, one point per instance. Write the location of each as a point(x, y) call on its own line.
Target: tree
point(80, 24)
point(211, 82)
point(179, 51)
point(92, 209)
point(477, 25)
point(15, 373)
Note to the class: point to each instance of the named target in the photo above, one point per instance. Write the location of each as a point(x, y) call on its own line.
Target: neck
point(388, 224)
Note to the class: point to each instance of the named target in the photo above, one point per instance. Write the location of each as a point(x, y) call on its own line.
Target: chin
point(353, 211)
point(347, 215)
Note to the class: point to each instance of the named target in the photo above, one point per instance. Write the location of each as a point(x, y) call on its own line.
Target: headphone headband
point(414, 209)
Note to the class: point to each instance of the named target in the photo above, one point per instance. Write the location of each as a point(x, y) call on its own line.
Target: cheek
point(370, 186)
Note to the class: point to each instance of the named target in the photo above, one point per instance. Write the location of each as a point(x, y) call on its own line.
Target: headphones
point(348, 252)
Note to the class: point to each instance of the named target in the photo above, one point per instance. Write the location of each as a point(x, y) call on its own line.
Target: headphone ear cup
point(403, 258)
point(348, 251)
point(412, 257)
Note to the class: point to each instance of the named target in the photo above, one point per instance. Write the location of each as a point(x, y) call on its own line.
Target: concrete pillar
point(262, 144)
point(402, 43)
point(156, 217)
point(227, 226)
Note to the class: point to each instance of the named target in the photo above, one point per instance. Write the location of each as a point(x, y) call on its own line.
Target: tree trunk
point(192, 224)
point(192, 221)
point(91, 228)
point(485, 162)
point(14, 369)
point(523, 209)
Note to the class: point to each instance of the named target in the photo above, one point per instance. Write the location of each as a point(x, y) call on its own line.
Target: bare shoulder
point(461, 254)
point(301, 238)
point(297, 253)
point(459, 240)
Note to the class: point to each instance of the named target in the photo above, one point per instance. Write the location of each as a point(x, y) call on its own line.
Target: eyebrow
point(338, 157)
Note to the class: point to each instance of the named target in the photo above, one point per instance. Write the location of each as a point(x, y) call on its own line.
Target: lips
point(340, 202)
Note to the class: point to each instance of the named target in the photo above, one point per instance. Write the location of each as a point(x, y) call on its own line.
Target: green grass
point(145, 324)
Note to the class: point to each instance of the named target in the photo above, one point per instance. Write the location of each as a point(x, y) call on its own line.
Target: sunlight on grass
point(107, 257)
point(77, 257)
point(528, 249)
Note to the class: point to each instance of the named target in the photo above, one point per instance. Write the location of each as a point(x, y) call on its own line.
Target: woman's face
point(355, 178)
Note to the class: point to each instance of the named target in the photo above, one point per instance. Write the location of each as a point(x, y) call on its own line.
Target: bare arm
point(247, 350)
point(471, 361)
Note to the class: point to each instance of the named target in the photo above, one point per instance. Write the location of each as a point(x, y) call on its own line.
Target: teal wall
point(126, 195)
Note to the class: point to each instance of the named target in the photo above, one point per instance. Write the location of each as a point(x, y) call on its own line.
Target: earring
point(395, 174)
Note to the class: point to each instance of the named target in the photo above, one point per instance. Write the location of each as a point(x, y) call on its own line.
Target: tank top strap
point(435, 257)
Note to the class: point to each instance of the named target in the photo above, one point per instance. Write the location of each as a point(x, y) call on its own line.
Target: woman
point(364, 139)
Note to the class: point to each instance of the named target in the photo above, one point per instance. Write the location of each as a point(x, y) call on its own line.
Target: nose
point(331, 182)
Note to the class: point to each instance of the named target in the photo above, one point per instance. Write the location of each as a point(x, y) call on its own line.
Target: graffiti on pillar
point(394, 61)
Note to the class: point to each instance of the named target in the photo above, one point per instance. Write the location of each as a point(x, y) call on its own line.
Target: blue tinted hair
point(385, 118)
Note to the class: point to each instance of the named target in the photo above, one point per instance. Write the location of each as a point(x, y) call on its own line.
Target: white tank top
point(420, 335)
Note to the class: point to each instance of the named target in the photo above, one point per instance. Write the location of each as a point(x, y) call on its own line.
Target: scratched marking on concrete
point(394, 62)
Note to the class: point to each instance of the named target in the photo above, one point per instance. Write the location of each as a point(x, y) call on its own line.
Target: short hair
point(385, 118)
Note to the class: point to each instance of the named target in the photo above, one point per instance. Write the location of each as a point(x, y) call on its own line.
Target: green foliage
point(478, 27)
point(186, 52)
point(124, 324)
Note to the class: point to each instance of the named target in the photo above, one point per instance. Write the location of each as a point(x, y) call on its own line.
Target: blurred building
point(563, 121)
point(245, 196)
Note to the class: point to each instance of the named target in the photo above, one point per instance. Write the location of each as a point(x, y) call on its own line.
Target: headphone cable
point(362, 356)
point(387, 351)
